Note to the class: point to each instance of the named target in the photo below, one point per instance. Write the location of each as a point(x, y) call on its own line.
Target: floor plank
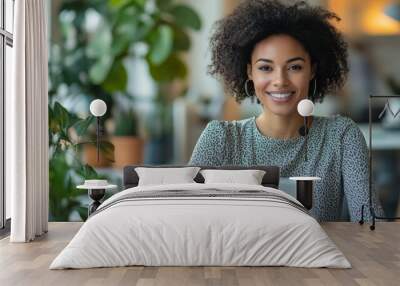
point(374, 255)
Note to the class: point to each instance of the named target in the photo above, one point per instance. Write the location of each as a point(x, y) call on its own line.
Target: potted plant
point(89, 154)
point(66, 170)
point(127, 143)
point(87, 61)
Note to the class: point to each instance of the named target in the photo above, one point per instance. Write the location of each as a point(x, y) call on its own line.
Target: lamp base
point(96, 195)
point(304, 190)
point(304, 193)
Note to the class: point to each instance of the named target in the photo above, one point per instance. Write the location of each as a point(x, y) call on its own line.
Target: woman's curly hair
point(235, 36)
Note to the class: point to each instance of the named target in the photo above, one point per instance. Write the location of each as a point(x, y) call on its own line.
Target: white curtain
point(27, 124)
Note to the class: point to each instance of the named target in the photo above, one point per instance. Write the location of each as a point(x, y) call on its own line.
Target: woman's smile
point(280, 96)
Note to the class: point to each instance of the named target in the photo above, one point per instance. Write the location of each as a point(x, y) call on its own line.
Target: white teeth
point(280, 95)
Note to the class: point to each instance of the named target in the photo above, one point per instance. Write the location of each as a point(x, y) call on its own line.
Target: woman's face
point(281, 73)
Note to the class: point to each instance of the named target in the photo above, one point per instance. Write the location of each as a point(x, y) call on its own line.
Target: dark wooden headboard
point(270, 179)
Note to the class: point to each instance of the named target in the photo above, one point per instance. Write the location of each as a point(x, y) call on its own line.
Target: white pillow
point(162, 176)
point(249, 177)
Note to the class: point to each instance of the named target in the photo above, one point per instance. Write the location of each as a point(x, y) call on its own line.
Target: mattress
point(201, 225)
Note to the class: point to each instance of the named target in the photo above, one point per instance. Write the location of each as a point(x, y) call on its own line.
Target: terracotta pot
point(90, 157)
point(128, 150)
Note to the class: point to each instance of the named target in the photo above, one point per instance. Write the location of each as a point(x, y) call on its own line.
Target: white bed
point(252, 225)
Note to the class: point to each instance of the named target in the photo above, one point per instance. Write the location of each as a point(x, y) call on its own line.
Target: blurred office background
point(147, 59)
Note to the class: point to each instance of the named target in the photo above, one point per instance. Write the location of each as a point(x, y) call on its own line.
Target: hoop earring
point(315, 88)
point(246, 90)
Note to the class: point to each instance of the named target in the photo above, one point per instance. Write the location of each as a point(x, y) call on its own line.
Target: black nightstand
point(304, 190)
point(96, 191)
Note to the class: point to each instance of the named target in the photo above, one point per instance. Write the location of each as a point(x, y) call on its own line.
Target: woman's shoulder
point(339, 127)
point(338, 123)
point(232, 127)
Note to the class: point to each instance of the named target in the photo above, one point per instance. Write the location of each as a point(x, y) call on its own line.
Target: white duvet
point(200, 231)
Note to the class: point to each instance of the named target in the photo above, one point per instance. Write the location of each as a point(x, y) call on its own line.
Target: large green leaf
point(117, 3)
point(83, 212)
point(82, 125)
point(117, 78)
point(124, 30)
point(169, 70)
point(141, 3)
point(120, 45)
point(161, 41)
point(143, 29)
point(181, 40)
point(107, 148)
point(186, 17)
point(120, 4)
point(63, 195)
point(126, 19)
point(99, 71)
point(62, 117)
point(164, 4)
point(130, 27)
point(72, 119)
point(53, 122)
point(88, 172)
point(101, 43)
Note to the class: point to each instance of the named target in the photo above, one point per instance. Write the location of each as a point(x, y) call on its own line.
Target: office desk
point(374, 255)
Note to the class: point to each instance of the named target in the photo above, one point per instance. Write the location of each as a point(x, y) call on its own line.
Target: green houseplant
point(88, 62)
point(66, 169)
point(91, 59)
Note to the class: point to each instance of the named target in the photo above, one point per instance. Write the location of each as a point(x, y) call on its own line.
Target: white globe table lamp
point(305, 108)
point(98, 108)
point(304, 185)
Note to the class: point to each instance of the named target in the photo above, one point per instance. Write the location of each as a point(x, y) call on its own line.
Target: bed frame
point(270, 179)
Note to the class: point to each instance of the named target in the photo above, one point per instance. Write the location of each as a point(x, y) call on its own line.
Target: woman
point(281, 54)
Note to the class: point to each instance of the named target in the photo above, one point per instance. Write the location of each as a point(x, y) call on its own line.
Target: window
point(6, 64)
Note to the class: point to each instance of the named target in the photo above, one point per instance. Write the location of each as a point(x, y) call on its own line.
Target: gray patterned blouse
point(337, 152)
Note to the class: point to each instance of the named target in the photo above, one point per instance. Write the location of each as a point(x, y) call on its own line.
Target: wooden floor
point(375, 256)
